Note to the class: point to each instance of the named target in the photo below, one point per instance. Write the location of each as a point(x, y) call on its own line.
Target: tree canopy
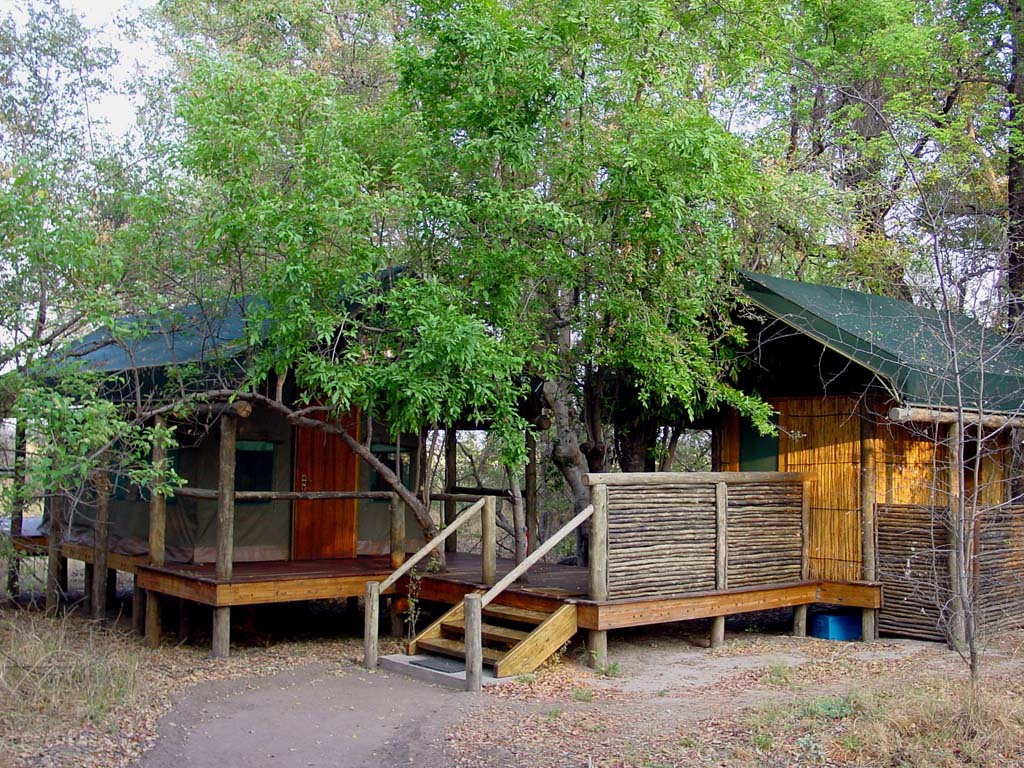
point(485, 211)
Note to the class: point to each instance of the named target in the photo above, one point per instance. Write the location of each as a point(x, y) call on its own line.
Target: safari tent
point(903, 418)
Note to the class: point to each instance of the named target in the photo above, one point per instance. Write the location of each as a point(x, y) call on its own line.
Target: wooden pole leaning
point(721, 557)
point(597, 639)
point(157, 543)
point(473, 612)
point(98, 599)
point(225, 531)
point(489, 541)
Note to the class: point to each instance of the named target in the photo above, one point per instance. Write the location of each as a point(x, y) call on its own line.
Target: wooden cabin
point(848, 498)
point(274, 513)
point(900, 416)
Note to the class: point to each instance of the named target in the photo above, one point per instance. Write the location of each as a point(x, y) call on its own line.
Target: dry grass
point(931, 724)
point(76, 694)
point(62, 672)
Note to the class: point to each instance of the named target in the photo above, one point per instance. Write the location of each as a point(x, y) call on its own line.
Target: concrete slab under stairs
point(421, 667)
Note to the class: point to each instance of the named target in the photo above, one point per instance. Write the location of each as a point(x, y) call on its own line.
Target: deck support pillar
point(221, 643)
point(489, 540)
point(371, 613)
point(800, 621)
point(88, 579)
point(138, 607)
point(473, 610)
point(868, 625)
point(157, 537)
point(597, 647)
point(225, 530)
point(18, 509)
point(56, 566)
point(100, 577)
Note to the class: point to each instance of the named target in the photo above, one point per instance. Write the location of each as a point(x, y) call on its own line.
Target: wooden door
point(323, 529)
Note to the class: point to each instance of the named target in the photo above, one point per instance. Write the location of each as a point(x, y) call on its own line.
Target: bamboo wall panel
point(913, 466)
point(821, 437)
point(765, 536)
point(662, 538)
point(1001, 568)
point(913, 568)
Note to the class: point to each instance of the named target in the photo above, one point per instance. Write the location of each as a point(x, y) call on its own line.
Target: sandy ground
point(666, 684)
point(318, 715)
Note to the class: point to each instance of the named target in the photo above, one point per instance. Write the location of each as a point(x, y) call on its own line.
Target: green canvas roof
point(190, 334)
point(904, 345)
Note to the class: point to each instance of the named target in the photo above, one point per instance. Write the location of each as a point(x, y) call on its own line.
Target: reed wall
point(664, 539)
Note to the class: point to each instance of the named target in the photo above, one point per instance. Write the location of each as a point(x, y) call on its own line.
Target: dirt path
point(318, 715)
point(671, 702)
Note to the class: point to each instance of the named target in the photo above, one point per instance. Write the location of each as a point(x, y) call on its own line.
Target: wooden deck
point(277, 581)
point(36, 546)
point(549, 586)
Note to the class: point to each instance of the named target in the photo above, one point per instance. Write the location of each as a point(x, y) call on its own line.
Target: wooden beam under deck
point(618, 614)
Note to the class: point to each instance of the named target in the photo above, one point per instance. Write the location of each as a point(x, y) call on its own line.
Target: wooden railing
point(486, 508)
point(475, 603)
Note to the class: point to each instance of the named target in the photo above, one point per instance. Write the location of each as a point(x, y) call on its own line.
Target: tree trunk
point(518, 514)
point(1015, 177)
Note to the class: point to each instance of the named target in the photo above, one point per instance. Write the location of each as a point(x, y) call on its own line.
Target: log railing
point(474, 603)
point(486, 508)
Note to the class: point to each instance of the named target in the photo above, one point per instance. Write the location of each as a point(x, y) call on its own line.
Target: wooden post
point(55, 504)
point(18, 510)
point(451, 438)
point(98, 598)
point(473, 612)
point(721, 557)
point(532, 518)
point(800, 612)
point(111, 586)
point(397, 508)
point(88, 582)
point(157, 540)
point(225, 531)
point(597, 639)
point(371, 612)
point(138, 607)
point(489, 543)
point(956, 529)
point(868, 499)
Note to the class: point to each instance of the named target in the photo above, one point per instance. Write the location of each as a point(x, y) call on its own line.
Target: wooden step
point(518, 615)
point(490, 632)
point(448, 647)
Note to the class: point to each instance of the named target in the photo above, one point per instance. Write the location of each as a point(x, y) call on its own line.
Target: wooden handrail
point(433, 544)
point(474, 603)
point(542, 550)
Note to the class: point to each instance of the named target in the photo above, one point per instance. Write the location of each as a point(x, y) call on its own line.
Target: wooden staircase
point(515, 640)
